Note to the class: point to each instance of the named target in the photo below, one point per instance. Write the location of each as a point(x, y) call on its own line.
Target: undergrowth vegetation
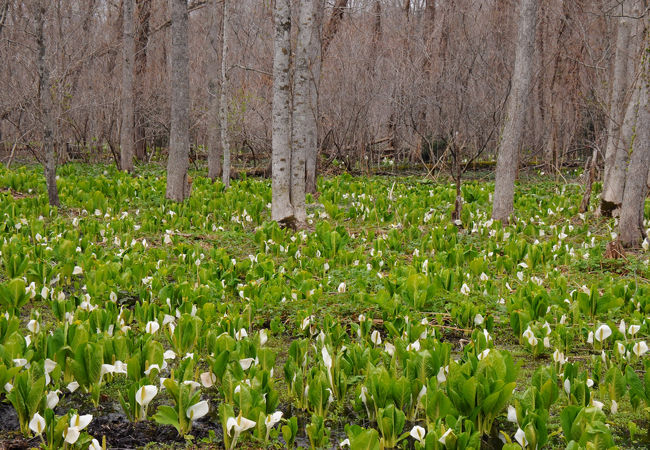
point(381, 325)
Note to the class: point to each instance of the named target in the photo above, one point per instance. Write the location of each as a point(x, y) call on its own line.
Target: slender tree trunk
point(281, 210)
point(45, 98)
point(508, 157)
point(142, 40)
point(631, 226)
point(178, 186)
point(305, 132)
point(215, 150)
point(616, 152)
point(223, 102)
point(313, 55)
point(127, 144)
point(333, 24)
point(4, 8)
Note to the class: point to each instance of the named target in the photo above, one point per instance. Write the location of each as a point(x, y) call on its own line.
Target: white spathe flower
point(621, 327)
point(272, 419)
point(52, 399)
point(77, 270)
point(417, 432)
point(590, 337)
point(441, 377)
point(345, 443)
point(520, 437)
point(145, 394)
point(197, 410)
point(341, 288)
point(327, 359)
point(390, 348)
point(443, 438)
point(614, 407)
point(94, 445)
point(49, 365)
point(558, 357)
point(640, 348)
point(80, 422)
point(33, 326)
point(598, 404)
point(621, 348)
point(478, 320)
point(483, 354)
point(264, 337)
point(414, 346)
point(169, 354)
point(8, 387)
point(567, 386)
point(208, 379)
point(37, 424)
point(241, 334)
point(465, 289)
point(375, 337)
point(152, 327)
point(71, 435)
point(512, 414)
point(602, 332)
point(633, 329)
point(239, 424)
point(245, 363)
point(72, 386)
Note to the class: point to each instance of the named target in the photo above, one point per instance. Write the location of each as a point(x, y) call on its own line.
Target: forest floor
point(381, 298)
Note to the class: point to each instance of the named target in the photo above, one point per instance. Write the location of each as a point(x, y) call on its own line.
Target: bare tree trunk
point(142, 40)
point(178, 186)
point(215, 150)
point(333, 24)
point(45, 98)
point(127, 144)
point(305, 132)
point(508, 157)
point(281, 210)
point(223, 102)
point(616, 152)
point(4, 8)
point(313, 55)
point(631, 226)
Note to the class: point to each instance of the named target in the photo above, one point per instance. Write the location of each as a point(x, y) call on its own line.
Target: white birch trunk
point(305, 131)
point(281, 210)
point(178, 187)
point(508, 156)
point(223, 102)
point(215, 150)
point(127, 142)
point(314, 61)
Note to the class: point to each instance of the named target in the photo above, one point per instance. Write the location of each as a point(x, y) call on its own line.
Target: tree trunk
point(215, 150)
point(45, 99)
point(127, 146)
point(223, 102)
point(631, 227)
point(4, 8)
point(305, 132)
point(616, 152)
point(333, 24)
point(178, 186)
point(313, 55)
point(281, 210)
point(508, 157)
point(142, 40)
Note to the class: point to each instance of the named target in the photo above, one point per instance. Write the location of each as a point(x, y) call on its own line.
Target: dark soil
point(119, 432)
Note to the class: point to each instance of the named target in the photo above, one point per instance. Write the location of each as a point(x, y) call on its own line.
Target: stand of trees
point(301, 83)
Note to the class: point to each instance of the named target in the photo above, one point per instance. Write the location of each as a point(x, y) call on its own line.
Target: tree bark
point(215, 150)
point(333, 24)
point(223, 102)
point(313, 55)
point(305, 132)
point(178, 186)
point(508, 156)
point(127, 144)
point(616, 152)
point(281, 210)
point(143, 13)
point(631, 226)
point(45, 99)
